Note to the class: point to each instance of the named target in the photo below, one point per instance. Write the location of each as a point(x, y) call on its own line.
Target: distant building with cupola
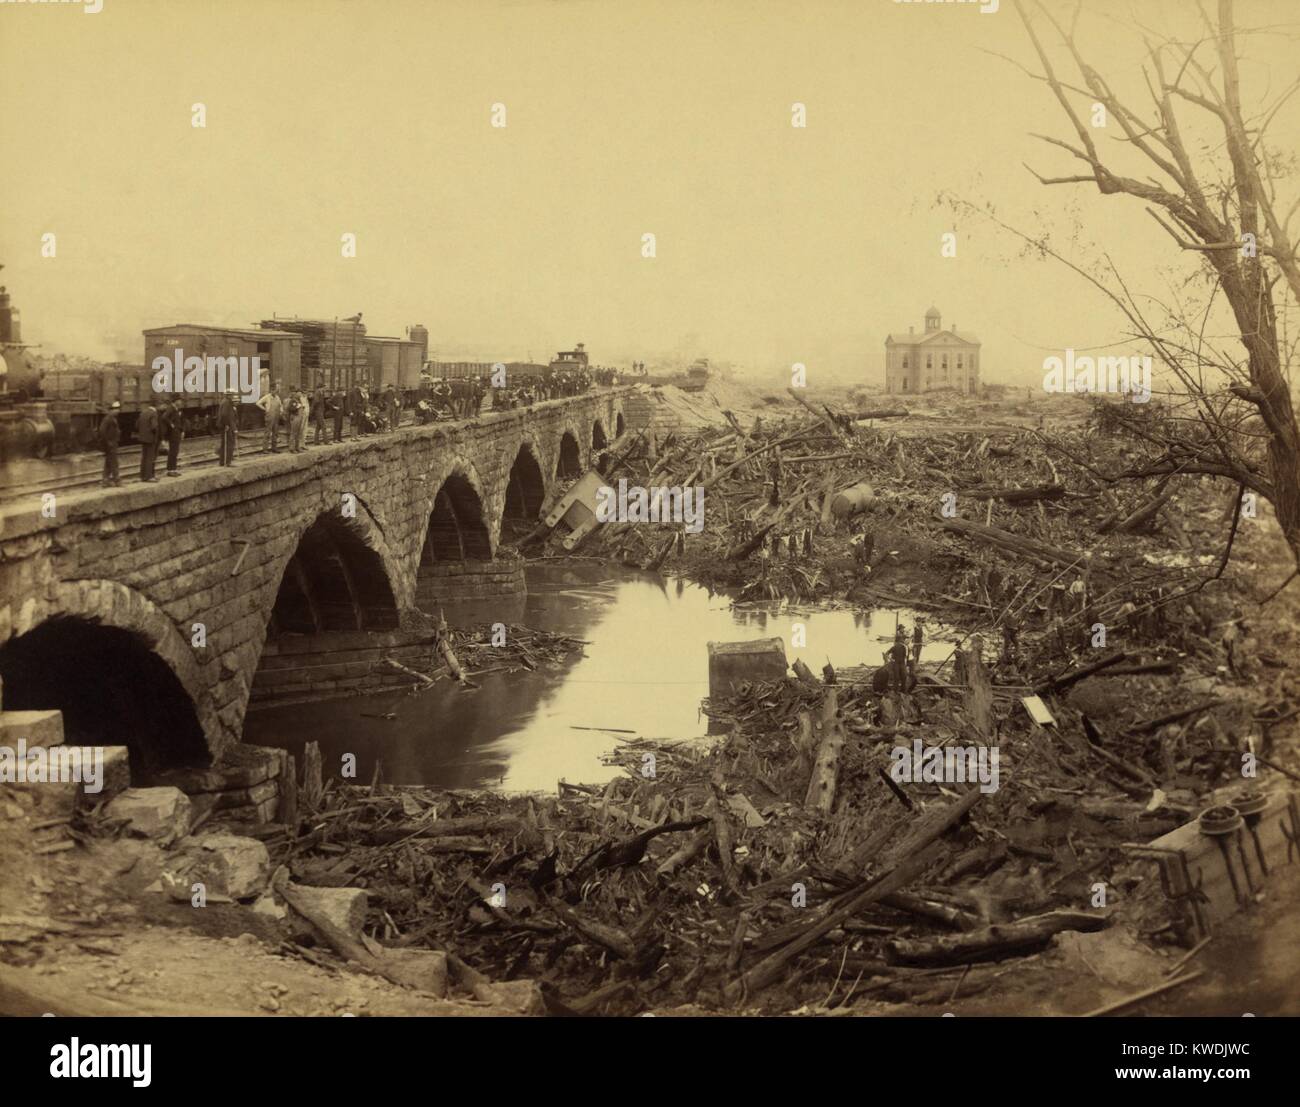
point(938, 358)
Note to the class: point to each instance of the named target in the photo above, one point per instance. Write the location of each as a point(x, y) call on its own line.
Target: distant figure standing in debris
point(227, 428)
point(146, 433)
point(110, 434)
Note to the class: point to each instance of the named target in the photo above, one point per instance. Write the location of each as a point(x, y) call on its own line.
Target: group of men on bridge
point(366, 411)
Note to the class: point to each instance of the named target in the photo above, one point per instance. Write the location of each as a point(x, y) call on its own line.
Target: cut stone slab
point(40, 728)
point(244, 797)
point(116, 778)
point(344, 907)
point(423, 969)
point(161, 813)
point(241, 767)
point(733, 663)
point(228, 866)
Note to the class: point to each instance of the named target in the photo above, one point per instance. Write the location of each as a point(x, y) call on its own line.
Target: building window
point(904, 384)
point(945, 361)
point(959, 361)
point(904, 361)
point(929, 361)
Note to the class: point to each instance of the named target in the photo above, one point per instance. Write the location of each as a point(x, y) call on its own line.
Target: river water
point(644, 670)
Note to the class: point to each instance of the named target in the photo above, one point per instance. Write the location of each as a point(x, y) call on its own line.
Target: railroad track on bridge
point(91, 476)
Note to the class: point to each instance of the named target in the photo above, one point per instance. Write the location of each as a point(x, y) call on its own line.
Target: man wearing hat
point(146, 433)
point(227, 428)
point(110, 434)
point(173, 430)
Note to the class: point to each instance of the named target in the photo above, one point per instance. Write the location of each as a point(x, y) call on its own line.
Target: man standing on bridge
point(393, 404)
point(273, 408)
point(110, 434)
point(146, 433)
point(227, 428)
point(318, 413)
point(173, 429)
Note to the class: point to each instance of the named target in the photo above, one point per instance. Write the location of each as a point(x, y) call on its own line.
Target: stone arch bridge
point(146, 612)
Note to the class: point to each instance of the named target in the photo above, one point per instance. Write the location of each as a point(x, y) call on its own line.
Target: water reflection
point(645, 670)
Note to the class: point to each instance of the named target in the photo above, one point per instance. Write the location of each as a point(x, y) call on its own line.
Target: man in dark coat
point(227, 428)
point(356, 404)
point(393, 406)
point(110, 435)
point(318, 414)
point(172, 428)
point(338, 408)
point(146, 433)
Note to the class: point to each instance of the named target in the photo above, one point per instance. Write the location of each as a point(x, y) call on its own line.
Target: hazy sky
point(774, 244)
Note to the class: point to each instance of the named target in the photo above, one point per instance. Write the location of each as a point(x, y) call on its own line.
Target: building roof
point(210, 328)
point(921, 339)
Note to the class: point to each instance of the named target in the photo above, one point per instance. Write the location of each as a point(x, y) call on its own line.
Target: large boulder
point(228, 866)
point(344, 907)
point(159, 813)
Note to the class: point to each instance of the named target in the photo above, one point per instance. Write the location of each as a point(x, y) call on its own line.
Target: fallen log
point(881, 413)
point(1073, 676)
point(444, 828)
point(825, 420)
point(1173, 717)
point(1015, 544)
point(916, 852)
point(989, 943)
point(1016, 495)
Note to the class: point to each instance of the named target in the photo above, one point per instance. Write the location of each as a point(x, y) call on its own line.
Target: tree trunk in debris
point(1015, 543)
point(826, 765)
point(313, 787)
point(990, 942)
point(915, 853)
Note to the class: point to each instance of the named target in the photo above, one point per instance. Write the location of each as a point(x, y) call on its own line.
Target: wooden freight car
point(77, 400)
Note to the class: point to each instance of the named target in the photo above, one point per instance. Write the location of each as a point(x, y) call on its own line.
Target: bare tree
point(1220, 201)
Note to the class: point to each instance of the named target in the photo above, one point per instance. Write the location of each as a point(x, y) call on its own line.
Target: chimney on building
point(911, 330)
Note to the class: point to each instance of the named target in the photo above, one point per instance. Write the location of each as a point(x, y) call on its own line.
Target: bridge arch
point(599, 439)
point(525, 489)
point(568, 456)
point(117, 668)
point(338, 577)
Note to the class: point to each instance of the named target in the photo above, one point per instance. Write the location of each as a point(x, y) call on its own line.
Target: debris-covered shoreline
point(1097, 697)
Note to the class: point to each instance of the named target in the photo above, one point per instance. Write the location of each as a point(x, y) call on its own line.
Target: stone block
point(241, 767)
point(161, 813)
point(228, 866)
point(422, 969)
point(344, 907)
point(246, 797)
point(733, 663)
point(39, 728)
